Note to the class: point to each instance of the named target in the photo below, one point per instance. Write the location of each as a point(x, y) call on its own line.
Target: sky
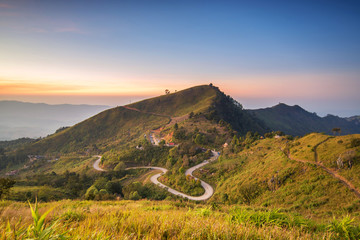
point(116, 52)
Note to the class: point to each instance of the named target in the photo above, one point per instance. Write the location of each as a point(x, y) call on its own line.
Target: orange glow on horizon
point(249, 86)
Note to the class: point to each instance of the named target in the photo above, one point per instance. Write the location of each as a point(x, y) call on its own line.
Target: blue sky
point(260, 52)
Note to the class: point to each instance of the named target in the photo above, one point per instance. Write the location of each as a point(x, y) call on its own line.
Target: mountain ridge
point(295, 120)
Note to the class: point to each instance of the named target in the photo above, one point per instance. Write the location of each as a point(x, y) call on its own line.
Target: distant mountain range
point(22, 119)
point(294, 120)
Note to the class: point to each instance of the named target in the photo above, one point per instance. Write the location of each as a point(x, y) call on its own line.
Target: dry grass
point(144, 220)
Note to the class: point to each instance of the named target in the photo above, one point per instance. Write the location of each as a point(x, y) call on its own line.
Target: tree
point(199, 139)
point(5, 185)
point(167, 91)
point(191, 115)
point(134, 196)
point(120, 167)
point(336, 130)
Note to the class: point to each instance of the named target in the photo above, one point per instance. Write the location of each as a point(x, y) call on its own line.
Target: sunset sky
point(114, 52)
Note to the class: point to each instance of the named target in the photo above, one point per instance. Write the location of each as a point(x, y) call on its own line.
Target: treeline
point(230, 111)
point(8, 160)
point(209, 138)
point(134, 157)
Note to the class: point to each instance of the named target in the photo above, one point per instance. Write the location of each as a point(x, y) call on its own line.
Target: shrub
point(71, 216)
point(344, 229)
point(249, 192)
point(355, 142)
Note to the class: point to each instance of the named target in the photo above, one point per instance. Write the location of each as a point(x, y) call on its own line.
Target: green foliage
point(228, 111)
point(355, 142)
point(200, 139)
point(272, 217)
point(137, 190)
point(91, 193)
point(203, 212)
point(344, 228)
point(249, 192)
point(39, 230)
point(120, 167)
point(5, 185)
point(153, 155)
point(72, 216)
point(182, 183)
point(134, 196)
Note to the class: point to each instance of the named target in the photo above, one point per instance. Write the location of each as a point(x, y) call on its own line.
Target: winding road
point(209, 190)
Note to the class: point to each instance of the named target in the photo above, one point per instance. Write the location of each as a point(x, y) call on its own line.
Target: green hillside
point(110, 128)
point(195, 99)
point(121, 126)
point(261, 174)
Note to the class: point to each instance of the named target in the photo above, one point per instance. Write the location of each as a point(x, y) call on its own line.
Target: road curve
point(209, 191)
point(96, 164)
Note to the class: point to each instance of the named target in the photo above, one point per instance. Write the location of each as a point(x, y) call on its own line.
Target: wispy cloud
point(21, 87)
point(4, 5)
point(70, 30)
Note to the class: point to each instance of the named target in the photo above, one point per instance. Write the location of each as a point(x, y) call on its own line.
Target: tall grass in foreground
point(158, 220)
point(36, 230)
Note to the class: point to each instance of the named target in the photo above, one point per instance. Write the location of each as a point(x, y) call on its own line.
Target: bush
point(344, 229)
point(270, 218)
point(249, 192)
point(355, 142)
point(134, 196)
point(71, 216)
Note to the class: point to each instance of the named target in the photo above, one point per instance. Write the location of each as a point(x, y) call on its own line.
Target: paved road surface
point(96, 164)
point(209, 191)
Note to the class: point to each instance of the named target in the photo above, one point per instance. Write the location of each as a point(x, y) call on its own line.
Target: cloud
point(69, 30)
point(25, 88)
point(4, 5)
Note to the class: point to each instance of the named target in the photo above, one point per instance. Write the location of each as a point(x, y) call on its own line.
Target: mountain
point(354, 119)
point(123, 125)
point(294, 120)
point(22, 119)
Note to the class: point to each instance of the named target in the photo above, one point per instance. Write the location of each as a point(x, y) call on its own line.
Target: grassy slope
point(297, 186)
point(329, 151)
point(155, 220)
point(177, 104)
point(113, 127)
point(303, 147)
